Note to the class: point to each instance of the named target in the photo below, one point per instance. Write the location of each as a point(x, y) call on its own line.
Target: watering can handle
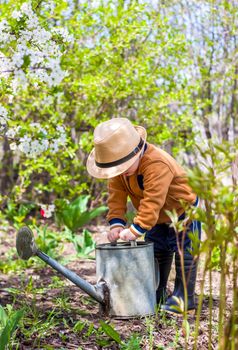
point(133, 243)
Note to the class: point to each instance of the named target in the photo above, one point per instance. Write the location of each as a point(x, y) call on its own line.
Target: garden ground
point(58, 315)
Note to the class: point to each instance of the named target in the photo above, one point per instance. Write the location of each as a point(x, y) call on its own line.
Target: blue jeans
point(164, 237)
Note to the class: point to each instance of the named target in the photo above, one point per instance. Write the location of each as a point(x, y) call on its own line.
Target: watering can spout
point(26, 248)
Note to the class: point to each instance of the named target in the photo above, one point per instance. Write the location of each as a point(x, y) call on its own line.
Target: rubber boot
point(164, 259)
point(176, 303)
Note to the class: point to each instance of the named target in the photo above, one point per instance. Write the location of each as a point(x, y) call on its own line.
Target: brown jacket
point(159, 184)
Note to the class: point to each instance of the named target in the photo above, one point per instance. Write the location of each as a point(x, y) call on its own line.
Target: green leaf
point(110, 331)
point(81, 203)
point(88, 239)
point(9, 328)
point(79, 326)
point(3, 316)
point(90, 330)
point(103, 342)
point(186, 328)
point(97, 211)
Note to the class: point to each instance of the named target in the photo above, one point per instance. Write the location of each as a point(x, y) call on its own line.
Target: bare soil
point(70, 305)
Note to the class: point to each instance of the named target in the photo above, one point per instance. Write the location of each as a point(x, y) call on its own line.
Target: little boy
point(155, 184)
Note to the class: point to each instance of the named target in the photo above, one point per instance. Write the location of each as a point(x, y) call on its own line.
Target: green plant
point(48, 240)
point(79, 326)
point(215, 259)
point(110, 331)
point(36, 328)
point(132, 343)
point(175, 342)
point(84, 244)
point(18, 212)
point(150, 328)
point(219, 248)
point(76, 214)
point(8, 321)
point(10, 262)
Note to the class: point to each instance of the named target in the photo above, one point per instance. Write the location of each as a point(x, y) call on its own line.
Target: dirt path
point(60, 316)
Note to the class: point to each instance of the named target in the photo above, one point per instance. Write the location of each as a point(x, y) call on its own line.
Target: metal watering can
point(125, 271)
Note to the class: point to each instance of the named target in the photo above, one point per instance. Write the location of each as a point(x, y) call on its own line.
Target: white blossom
point(60, 128)
point(45, 144)
point(3, 119)
point(33, 147)
point(62, 139)
point(24, 147)
point(5, 66)
point(25, 138)
point(3, 124)
point(47, 101)
point(64, 33)
point(48, 210)
point(20, 80)
point(17, 15)
point(3, 112)
point(43, 131)
point(54, 146)
point(13, 146)
point(26, 9)
point(48, 6)
point(35, 42)
point(17, 59)
point(5, 32)
point(11, 133)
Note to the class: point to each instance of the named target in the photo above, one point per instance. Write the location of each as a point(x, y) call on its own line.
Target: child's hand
point(127, 235)
point(114, 234)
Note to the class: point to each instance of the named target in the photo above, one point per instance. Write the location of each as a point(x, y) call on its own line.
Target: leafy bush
point(17, 213)
point(76, 214)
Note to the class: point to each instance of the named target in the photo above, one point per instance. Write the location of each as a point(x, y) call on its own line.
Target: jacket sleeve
point(157, 179)
point(117, 200)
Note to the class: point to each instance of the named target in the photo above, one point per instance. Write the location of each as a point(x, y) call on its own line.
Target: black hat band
point(124, 159)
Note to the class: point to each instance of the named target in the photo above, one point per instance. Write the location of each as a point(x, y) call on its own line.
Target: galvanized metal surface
point(129, 272)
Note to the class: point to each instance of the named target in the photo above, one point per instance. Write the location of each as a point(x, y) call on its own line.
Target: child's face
point(130, 171)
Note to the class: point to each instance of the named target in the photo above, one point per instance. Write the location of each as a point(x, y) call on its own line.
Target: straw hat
point(117, 145)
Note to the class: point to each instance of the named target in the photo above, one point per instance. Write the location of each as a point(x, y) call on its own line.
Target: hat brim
point(107, 173)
